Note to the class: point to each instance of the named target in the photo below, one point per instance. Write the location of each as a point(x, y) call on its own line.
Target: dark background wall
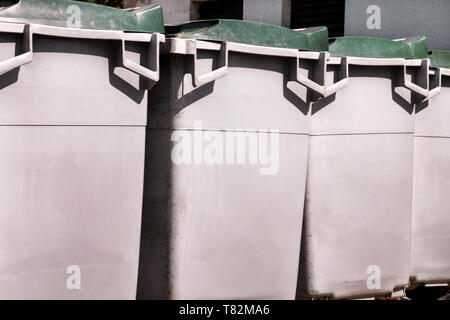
point(311, 13)
point(222, 9)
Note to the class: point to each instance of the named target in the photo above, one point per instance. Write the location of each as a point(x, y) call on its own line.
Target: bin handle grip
point(22, 59)
point(341, 83)
point(153, 55)
point(424, 92)
point(415, 88)
point(434, 92)
point(323, 90)
point(200, 80)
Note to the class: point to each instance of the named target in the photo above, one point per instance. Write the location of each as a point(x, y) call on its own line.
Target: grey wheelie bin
point(73, 111)
point(430, 248)
point(356, 230)
point(227, 146)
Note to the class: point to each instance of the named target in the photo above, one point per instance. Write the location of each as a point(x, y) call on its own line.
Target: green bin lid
point(369, 47)
point(440, 59)
point(60, 13)
point(253, 33)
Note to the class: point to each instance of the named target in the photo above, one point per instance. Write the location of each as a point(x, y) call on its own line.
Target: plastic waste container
point(227, 148)
point(356, 229)
point(73, 111)
point(77, 14)
point(430, 254)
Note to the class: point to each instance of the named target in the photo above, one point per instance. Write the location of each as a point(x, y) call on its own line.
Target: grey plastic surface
point(359, 183)
point(224, 230)
point(430, 254)
point(72, 135)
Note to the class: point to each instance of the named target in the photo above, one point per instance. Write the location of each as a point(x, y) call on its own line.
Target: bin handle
point(22, 59)
point(200, 80)
point(153, 55)
point(326, 91)
point(435, 91)
point(342, 83)
point(424, 92)
point(323, 90)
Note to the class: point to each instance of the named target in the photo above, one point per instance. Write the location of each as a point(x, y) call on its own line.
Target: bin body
point(224, 231)
point(359, 187)
point(430, 254)
point(72, 135)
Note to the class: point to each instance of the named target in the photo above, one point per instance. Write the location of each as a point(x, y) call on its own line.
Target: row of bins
point(223, 160)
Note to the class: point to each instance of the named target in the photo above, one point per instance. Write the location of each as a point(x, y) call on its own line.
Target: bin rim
point(84, 15)
point(251, 33)
point(379, 48)
point(29, 30)
point(95, 34)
